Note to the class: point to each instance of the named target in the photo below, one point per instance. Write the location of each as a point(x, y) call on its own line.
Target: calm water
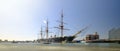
point(60, 47)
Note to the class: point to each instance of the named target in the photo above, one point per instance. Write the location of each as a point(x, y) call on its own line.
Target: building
point(114, 34)
point(92, 36)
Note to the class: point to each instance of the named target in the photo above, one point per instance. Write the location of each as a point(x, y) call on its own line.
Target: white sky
point(15, 19)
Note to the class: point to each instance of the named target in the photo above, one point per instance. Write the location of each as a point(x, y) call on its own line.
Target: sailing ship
point(62, 38)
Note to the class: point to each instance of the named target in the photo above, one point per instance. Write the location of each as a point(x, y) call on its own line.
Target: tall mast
point(41, 33)
point(47, 29)
point(62, 26)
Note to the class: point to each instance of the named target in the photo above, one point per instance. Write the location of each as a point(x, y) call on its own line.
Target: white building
point(114, 34)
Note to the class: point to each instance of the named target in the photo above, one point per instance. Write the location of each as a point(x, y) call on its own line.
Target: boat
point(67, 39)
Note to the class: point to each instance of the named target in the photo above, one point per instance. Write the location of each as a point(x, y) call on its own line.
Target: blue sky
point(22, 19)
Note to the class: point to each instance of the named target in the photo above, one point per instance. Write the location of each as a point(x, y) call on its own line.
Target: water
point(60, 47)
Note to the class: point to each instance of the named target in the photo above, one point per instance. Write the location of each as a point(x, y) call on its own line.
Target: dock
point(103, 41)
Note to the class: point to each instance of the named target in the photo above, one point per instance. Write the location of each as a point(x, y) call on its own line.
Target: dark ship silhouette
point(60, 39)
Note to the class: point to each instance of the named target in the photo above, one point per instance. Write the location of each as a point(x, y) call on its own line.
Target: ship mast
point(47, 29)
point(62, 26)
point(41, 33)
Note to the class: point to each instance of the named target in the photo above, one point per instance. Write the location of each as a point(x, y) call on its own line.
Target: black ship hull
point(67, 39)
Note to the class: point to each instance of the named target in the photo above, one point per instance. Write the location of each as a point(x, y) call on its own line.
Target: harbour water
point(59, 47)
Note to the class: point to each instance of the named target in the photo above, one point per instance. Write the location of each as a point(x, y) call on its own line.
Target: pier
point(103, 41)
